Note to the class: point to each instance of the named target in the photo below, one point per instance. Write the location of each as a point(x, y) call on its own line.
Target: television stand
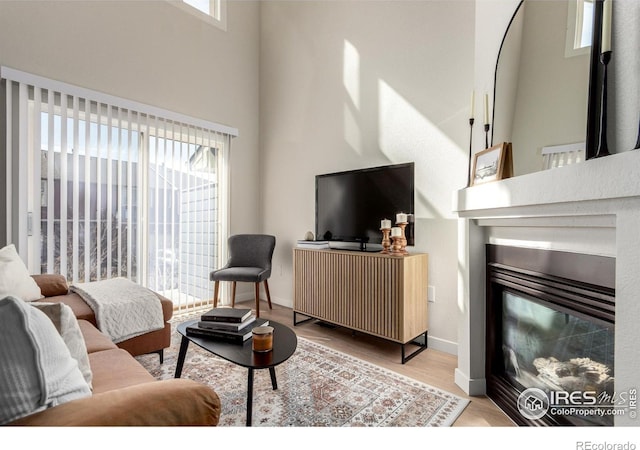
point(373, 293)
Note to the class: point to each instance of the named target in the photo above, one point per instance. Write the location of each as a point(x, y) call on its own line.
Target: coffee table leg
point(183, 352)
point(274, 382)
point(249, 397)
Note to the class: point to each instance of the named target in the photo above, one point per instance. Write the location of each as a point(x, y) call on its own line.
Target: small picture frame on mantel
point(493, 163)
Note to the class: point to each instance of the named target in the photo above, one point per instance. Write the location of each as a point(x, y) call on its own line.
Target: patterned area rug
point(317, 387)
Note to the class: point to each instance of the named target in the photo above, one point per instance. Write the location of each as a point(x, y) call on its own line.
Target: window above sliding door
point(211, 11)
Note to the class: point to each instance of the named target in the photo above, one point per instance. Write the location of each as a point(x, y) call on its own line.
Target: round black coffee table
point(284, 344)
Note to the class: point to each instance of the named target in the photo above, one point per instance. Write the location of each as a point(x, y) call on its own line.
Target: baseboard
point(470, 386)
point(249, 297)
point(442, 345)
point(282, 302)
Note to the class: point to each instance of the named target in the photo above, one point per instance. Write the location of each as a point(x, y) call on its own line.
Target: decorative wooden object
point(386, 242)
point(377, 294)
point(396, 247)
point(403, 238)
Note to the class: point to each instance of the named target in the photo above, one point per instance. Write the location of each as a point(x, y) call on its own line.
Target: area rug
point(317, 387)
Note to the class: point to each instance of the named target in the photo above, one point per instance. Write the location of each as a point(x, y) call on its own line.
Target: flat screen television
point(351, 204)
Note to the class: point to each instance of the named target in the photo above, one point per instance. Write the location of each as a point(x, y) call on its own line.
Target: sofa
point(122, 393)
point(55, 289)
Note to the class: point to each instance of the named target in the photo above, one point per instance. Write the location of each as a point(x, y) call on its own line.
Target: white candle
point(385, 223)
point(486, 109)
point(395, 232)
point(401, 218)
point(473, 103)
point(606, 26)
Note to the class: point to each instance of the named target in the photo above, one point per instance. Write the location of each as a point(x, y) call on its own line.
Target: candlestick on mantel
point(471, 120)
point(473, 104)
point(605, 58)
point(486, 121)
point(486, 109)
point(486, 135)
point(606, 26)
point(603, 148)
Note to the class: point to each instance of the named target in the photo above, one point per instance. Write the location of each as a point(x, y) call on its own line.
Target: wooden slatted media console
point(373, 293)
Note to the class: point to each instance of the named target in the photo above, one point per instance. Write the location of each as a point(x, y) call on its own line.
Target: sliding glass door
point(97, 190)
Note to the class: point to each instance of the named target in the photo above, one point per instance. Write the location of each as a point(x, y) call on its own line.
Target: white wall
point(154, 53)
point(346, 85)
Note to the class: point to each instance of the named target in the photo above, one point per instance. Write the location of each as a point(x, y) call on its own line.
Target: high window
point(211, 11)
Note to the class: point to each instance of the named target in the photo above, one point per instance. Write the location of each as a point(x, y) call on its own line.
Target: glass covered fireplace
point(550, 336)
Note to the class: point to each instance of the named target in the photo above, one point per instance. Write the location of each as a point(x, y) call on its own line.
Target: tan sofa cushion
point(161, 403)
point(94, 339)
point(115, 369)
point(79, 307)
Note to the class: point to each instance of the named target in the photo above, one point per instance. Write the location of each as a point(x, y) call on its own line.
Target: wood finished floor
point(431, 366)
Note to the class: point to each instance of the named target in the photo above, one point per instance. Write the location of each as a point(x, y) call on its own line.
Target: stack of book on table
point(313, 244)
point(226, 324)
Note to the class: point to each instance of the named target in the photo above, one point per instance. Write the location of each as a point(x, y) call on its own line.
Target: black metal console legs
point(302, 321)
point(421, 346)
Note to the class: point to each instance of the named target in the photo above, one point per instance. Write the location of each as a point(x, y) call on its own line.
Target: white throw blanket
point(123, 308)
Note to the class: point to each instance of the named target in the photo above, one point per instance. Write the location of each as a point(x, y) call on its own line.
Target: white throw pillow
point(67, 325)
point(37, 370)
point(15, 278)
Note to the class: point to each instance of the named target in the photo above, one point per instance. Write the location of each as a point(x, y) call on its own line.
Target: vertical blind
point(100, 187)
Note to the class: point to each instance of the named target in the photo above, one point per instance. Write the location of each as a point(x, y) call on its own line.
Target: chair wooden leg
point(266, 289)
point(233, 294)
point(257, 288)
point(216, 287)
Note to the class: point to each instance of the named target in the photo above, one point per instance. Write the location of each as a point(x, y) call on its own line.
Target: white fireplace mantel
point(565, 189)
point(590, 207)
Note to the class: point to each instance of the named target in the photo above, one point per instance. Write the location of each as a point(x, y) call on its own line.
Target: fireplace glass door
point(555, 350)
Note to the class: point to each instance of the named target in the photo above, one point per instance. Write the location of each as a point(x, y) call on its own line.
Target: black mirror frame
point(595, 81)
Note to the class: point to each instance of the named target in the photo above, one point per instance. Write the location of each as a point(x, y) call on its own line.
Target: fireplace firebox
point(550, 319)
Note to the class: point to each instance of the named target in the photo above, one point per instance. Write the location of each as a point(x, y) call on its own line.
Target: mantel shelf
point(549, 192)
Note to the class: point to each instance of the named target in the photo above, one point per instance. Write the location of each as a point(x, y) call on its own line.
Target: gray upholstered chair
point(249, 261)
